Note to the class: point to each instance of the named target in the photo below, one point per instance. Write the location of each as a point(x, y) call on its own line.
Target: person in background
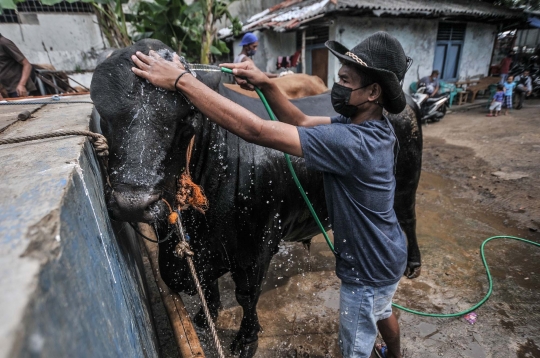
point(524, 88)
point(15, 70)
point(249, 44)
point(432, 83)
point(508, 91)
point(496, 104)
point(504, 67)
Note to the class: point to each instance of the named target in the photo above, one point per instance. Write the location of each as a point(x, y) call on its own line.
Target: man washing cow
point(356, 151)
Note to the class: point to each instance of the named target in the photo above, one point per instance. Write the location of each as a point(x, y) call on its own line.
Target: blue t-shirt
point(357, 161)
point(499, 96)
point(509, 87)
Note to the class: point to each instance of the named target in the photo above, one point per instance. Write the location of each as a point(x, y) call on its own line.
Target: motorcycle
point(536, 86)
point(431, 108)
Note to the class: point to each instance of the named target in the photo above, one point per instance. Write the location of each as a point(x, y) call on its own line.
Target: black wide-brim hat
point(382, 57)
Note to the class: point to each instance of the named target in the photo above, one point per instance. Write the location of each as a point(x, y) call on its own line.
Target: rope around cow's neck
point(314, 214)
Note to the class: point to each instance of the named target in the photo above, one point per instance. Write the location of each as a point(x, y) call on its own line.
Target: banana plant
point(189, 29)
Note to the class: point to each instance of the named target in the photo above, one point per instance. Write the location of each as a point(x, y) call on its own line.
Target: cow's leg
point(404, 206)
point(213, 301)
point(248, 290)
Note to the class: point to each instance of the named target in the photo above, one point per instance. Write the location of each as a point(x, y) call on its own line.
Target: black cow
point(254, 203)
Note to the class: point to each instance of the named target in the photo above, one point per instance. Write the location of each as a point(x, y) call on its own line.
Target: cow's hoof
point(413, 270)
point(244, 350)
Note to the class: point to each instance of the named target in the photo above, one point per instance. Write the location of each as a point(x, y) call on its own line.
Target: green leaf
point(50, 2)
point(155, 7)
point(215, 51)
point(222, 46)
point(8, 5)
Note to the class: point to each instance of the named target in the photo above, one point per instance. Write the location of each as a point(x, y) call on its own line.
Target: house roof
point(291, 14)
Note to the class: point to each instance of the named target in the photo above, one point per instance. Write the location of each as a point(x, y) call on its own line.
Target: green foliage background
point(174, 22)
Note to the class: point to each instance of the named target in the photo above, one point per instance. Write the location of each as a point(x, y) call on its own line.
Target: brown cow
point(297, 85)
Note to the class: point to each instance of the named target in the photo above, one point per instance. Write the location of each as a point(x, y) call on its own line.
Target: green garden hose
point(490, 281)
point(482, 254)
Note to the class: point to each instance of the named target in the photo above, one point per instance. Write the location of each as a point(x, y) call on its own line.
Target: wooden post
point(304, 51)
point(184, 332)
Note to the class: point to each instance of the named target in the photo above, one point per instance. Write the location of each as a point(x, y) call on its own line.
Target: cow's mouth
point(136, 206)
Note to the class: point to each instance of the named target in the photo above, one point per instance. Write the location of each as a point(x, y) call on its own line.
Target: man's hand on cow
point(247, 74)
point(157, 70)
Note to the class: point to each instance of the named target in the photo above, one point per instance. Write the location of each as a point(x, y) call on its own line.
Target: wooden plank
point(184, 332)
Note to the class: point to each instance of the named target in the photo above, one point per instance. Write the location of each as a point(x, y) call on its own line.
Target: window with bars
point(62, 7)
point(451, 32)
point(450, 39)
point(9, 17)
point(35, 6)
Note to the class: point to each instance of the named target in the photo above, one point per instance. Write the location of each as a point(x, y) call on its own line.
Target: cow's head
point(148, 130)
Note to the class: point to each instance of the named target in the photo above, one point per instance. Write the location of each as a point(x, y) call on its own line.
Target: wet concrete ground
point(299, 306)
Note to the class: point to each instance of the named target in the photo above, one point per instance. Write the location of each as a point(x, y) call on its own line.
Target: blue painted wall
point(91, 299)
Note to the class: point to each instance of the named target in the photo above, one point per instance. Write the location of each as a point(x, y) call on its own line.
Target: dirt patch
point(493, 159)
point(480, 178)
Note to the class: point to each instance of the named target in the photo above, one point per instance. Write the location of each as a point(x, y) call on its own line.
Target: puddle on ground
point(298, 307)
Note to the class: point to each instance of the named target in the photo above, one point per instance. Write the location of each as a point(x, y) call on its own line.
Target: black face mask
point(341, 96)
point(251, 53)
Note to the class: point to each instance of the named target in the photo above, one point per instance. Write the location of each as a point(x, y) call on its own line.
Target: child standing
point(496, 104)
point(508, 89)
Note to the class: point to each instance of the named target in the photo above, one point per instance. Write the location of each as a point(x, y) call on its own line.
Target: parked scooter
point(536, 85)
point(431, 109)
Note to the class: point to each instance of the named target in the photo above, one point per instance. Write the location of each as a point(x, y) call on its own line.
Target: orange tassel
point(173, 217)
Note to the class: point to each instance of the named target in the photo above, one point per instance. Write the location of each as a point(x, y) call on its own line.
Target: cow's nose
point(132, 206)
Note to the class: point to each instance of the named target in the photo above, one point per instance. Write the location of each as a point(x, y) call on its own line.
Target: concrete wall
point(417, 37)
point(477, 49)
point(70, 286)
point(67, 41)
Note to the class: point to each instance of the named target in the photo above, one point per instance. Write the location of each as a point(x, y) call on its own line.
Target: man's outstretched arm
point(229, 115)
point(248, 75)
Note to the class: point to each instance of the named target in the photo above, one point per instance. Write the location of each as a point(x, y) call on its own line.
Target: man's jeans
point(521, 91)
point(360, 308)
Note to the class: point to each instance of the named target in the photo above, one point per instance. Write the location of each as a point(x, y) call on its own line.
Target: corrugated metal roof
point(292, 13)
point(435, 7)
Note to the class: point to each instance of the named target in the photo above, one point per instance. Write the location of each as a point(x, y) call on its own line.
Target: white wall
point(72, 41)
point(417, 37)
point(477, 50)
